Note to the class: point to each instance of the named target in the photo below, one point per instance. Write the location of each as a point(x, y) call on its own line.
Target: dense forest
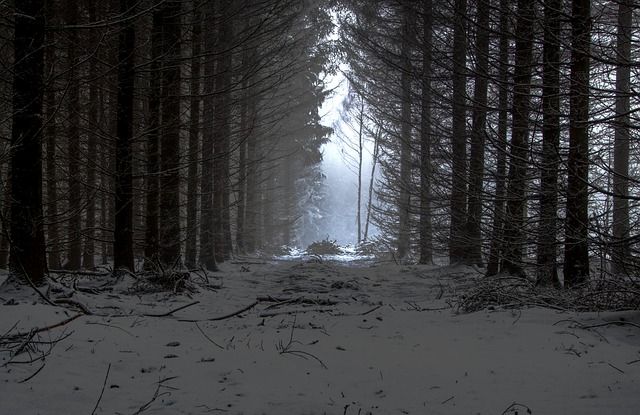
point(170, 133)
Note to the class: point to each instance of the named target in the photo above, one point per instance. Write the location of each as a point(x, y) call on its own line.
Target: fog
point(340, 168)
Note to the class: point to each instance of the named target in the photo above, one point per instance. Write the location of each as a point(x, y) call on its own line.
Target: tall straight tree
point(123, 230)
point(194, 138)
point(620, 248)
point(457, 237)
point(74, 252)
point(518, 148)
point(28, 256)
point(207, 232)
point(169, 231)
point(497, 243)
point(426, 102)
point(404, 198)
point(222, 141)
point(473, 254)
point(576, 250)
point(151, 247)
point(550, 160)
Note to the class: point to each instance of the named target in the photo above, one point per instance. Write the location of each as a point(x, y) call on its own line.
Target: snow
point(378, 340)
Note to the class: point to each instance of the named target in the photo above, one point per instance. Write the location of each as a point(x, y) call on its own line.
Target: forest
point(182, 133)
point(168, 220)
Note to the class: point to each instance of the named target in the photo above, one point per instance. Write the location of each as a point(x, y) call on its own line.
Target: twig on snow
point(208, 338)
point(168, 313)
point(235, 313)
point(514, 406)
point(33, 375)
point(104, 385)
point(371, 311)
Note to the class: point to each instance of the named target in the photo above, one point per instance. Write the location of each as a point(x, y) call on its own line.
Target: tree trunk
point(620, 253)
point(548, 230)
point(152, 247)
point(457, 239)
point(207, 231)
point(473, 253)
point(404, 198)
point(360, 154)
point(254, 177)
point(169, 229)
point(28, 260)
point(497, 244)
point(372, 180)
point(123, 230)
point(51, 205)
point(519, 146)
point(222, 143)
point(74, 223)
point(194, 141)
point(426, 244)
point(576, 254)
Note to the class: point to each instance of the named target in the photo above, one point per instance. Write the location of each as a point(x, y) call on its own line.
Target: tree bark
point(576, 254)
point(548, 230)
point(207, 231)
point(497, 244)
point(123, 230)
point(473, 254)
point(457, 237)
point(194, 140)
point(426, 229)
point(169, 229)
point(404, 197)
point(620, 252)
point(519, 146)
point(222, 142)
point(27, 259)
point(74, 222)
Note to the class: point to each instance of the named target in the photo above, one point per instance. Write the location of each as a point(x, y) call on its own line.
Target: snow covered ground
point(315, 338)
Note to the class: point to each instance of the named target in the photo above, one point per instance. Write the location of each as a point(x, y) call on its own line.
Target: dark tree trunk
point(426, 243)
point(404, 197)
point(74, 249)
point(457, 239)
point(194, 141)
point(28, 260)
point(123, 230)
point(620, 252)
point(473, 254)
point(169, 231)
point(497, 243)
point(222, 143)
point(548, 231)
point(51, 205)
point(519, 146)
point(576, 254)
point(151, 247)
point(207, 231)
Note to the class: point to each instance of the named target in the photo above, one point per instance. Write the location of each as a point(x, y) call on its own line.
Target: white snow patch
point(377, 340)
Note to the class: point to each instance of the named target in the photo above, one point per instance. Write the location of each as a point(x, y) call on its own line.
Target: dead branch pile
point(514, 293)
point(32, 346)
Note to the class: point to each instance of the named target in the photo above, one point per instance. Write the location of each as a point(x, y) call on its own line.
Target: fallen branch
point(74, 303)
point(62, 323)
point(207, 337)
point(168, 313)
point(372, 310)
point(284, 312)
point(104, 385)
point(300, 300)
point(33, 375)
point(235, 313)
